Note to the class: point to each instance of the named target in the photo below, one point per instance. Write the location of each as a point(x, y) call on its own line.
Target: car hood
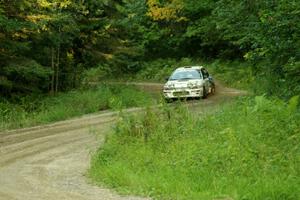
point(183, 83)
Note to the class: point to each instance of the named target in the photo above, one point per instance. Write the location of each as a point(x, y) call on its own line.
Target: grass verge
point(248, 150)
point(35, 110)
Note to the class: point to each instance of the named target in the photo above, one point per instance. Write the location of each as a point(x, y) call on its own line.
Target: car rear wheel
point(213, 89)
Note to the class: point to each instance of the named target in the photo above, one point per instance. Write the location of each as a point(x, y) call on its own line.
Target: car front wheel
point(167, 100)
point(204, 93)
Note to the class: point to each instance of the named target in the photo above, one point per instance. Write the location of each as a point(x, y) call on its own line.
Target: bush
point(235, 74)
point(247, 150)
point(96, 74)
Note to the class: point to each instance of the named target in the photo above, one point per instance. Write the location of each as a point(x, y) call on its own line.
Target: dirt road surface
point(49, 162)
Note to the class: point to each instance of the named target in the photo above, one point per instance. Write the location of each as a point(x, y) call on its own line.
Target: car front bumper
point(183, 93)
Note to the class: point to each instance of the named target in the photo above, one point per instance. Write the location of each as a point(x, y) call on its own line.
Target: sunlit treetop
point(169, 11)
point(54, 3)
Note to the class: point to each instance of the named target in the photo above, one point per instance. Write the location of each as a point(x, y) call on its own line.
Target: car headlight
point(168, 87)
point(194, 85)
point(190, 85)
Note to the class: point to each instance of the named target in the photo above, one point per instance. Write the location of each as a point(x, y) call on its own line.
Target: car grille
point(180, 88)
point(180, 93)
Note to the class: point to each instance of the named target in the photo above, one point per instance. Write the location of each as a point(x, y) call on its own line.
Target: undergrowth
point(247, 150)
point(34, 110)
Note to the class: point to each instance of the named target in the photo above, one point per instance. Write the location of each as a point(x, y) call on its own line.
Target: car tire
point(204, 93)
point(168, 100)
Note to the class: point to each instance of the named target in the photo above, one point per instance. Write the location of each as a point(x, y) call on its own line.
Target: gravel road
point(49, 162)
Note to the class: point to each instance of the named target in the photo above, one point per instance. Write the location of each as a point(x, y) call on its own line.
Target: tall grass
point(248, 150)
point(36, 110)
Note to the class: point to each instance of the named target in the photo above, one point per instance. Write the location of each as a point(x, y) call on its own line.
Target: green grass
point(35, 110)
point(247, 150)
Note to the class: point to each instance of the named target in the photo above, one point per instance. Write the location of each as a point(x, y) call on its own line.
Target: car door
point(205, 76)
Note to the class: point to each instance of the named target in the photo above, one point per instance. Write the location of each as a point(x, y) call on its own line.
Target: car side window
point(205, 73)
point(200, 73)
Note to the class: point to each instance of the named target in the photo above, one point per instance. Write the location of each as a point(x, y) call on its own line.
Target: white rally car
point(189, 82)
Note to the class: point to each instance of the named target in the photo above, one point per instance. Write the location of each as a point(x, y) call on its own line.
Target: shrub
point(33, 110)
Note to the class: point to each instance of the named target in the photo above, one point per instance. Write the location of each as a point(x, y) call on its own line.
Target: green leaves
point(293, 104)
point(58, 36)
point(25, 75)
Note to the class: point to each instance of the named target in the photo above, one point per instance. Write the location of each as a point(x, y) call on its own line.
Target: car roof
point(189, 68)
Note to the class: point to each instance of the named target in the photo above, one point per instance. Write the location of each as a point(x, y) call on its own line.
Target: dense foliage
point(45, 45)
point(248, 150)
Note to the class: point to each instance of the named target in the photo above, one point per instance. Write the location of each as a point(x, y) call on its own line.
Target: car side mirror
point(166, 78)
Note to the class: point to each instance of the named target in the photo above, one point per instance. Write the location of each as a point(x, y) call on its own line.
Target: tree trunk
point(57, 69)
point(53, 71)
point(57, 64)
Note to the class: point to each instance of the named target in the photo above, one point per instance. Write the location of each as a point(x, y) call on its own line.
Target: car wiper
point(179, 79)
point(186, 78)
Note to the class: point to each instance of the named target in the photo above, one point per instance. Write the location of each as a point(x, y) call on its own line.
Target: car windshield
point(185, 75)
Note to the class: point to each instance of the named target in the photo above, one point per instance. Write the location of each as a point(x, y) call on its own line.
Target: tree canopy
point(46, 44)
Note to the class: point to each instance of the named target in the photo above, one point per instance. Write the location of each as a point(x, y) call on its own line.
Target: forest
point(48, 46)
